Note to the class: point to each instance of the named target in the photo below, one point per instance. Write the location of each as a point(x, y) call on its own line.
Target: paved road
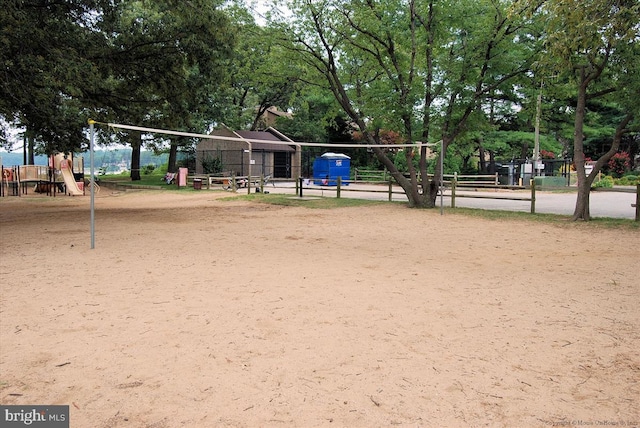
point(602, 203)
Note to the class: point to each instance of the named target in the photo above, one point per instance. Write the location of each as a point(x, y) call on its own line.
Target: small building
point(328, 167)
point(265, 153)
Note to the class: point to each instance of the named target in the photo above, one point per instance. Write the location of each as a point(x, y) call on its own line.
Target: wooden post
point(339, 181)
point(299, 187)
point(453, 191)
point(638, 203)
point(390, 189)
point(533, 196)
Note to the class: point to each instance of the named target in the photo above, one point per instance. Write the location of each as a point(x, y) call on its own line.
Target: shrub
point(547, 154)
point(628, 180)
point(605, 182)
point(211, 164)
point(619, 164)
point(148, 169)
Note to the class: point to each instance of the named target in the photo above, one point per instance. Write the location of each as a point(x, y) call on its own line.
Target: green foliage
point(315, 203)
point(464, 71)
point(605, 182)
point(628, 179)
point(424, 69)
point(315, 118)
point(257, 78)
point(148, 169)
point(518, 144)
point(44, 49)
point(212, 164)
point(400, 161)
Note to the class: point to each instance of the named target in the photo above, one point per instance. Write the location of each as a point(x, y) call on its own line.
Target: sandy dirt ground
point(195, 311)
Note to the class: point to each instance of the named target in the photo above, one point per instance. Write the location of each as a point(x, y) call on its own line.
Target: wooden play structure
point(64, 174)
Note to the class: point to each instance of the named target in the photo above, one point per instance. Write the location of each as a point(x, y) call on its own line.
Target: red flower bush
point(619, 164)
point(546, 154)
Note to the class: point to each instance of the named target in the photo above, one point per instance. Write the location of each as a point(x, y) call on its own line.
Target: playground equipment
point(18, 179)
point(59, 175)
point(65, 163)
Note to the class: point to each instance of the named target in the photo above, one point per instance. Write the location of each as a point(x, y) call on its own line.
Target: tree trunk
point(581, 211)
point(416, 197)
point(483, 163)
point(173, 156)
point(28, 157)
point(582, 203)
point(136, 145)
point(32, 158)
point(524, 150)
point(492, 162)
point(24, 152)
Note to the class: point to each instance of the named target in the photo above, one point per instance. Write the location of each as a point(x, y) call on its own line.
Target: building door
point(281, 165)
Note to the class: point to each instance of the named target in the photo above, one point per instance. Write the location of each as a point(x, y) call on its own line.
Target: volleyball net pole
point(92, 183)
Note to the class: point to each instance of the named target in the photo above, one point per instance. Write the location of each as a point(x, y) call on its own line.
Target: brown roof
point(271, 141)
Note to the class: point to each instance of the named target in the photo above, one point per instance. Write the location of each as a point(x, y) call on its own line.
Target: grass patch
point(315, 202)
point(154, 179)
point(496, 215)
point(555, 219)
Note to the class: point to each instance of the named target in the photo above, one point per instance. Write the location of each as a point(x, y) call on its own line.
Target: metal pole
point(92, 184)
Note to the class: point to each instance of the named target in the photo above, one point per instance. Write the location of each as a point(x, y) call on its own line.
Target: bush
point(619, 164)
point(628, 180)
point(148, 169)
point(605, 183)
point(212, 165)
point(546, 154)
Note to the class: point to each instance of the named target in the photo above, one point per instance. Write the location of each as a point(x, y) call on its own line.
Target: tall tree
point(595, 42)
point(165, 57)
point(45, 68)
point(418, 67)
point(262, 75)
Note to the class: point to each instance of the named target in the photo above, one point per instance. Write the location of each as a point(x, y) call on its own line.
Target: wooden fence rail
point(531, 198)
point(462, 179)
point(339, 188)
point(454, 185)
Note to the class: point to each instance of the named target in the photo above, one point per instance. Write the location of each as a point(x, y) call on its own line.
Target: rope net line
point(253, 140)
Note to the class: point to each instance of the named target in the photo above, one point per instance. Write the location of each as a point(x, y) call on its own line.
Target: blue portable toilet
point(328, 167)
